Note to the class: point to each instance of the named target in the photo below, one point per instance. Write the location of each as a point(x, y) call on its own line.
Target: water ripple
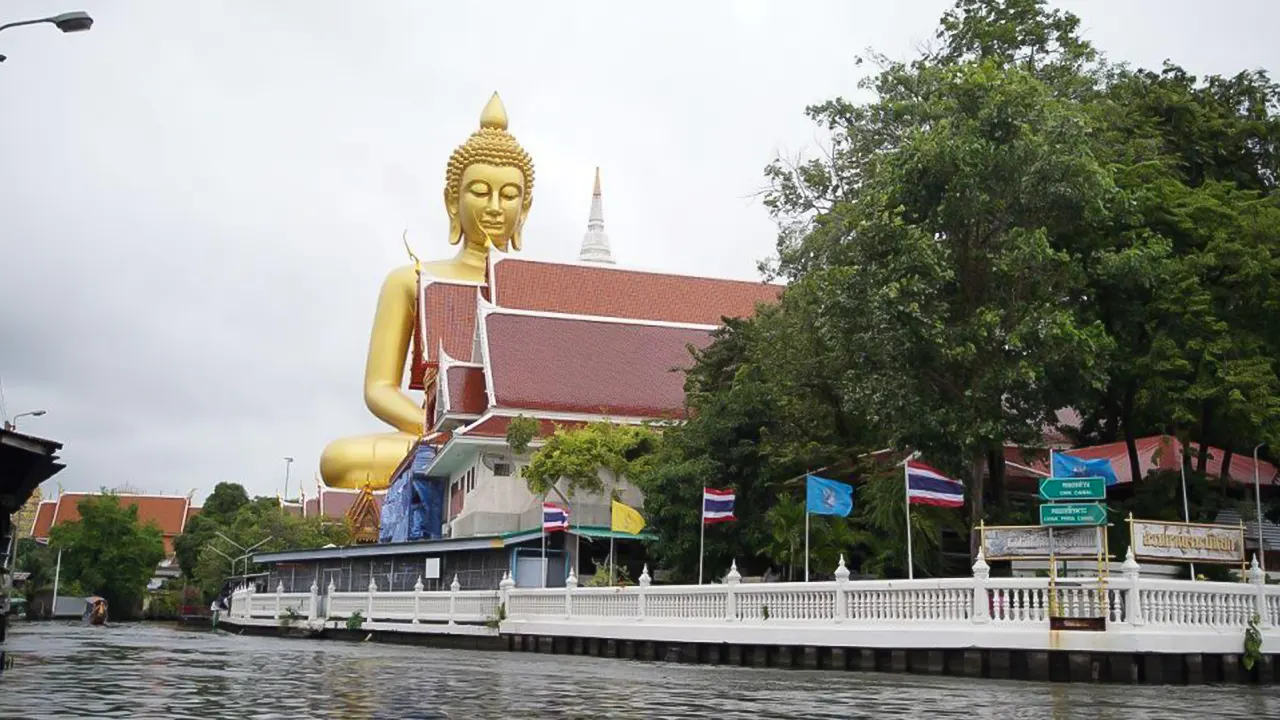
point(65, 670)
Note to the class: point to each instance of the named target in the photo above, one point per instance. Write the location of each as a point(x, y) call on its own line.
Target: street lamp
point(13, 424)
point(70, 22)
point(1257, 499)
point(287, 462)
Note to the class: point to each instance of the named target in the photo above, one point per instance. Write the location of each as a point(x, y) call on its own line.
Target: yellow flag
point(625, 519)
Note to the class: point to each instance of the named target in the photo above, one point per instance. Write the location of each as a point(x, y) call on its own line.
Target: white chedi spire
point(595, 244)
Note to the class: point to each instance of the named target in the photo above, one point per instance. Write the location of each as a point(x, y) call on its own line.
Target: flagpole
point(702, 535)
point(1186, 512)
point(610, 560)
point(806, 539)
point(544, 548)
point(906, 496)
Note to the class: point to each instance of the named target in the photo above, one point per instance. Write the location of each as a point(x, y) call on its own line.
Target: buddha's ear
point(516, 241)
point(451, 207)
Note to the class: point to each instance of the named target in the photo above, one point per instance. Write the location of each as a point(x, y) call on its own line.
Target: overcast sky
point(199, 201)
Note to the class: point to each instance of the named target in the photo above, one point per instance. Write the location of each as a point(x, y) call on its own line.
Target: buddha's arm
point(388, 348)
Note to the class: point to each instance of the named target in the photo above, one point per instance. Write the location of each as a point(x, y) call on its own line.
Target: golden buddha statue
point(487, 194)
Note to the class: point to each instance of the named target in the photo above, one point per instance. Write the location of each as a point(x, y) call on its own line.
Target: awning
point(607, 534)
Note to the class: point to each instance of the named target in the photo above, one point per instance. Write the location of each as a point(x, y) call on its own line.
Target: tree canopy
point(109, 551)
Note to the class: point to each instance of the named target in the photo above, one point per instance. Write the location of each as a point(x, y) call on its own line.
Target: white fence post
point(842, 580)
point(644, 590)
point(373, 588)
point(1258, 578)
point(332, 589)
point(981, 602)
point(454, 587)
point(570, 585)
point(417, 599)
point(314, 607)
point(730, 585)
point(279, 593)
point(504, 592)
point(248, 600)
point(1133, 591)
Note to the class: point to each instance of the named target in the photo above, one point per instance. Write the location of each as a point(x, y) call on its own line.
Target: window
point(502, 469)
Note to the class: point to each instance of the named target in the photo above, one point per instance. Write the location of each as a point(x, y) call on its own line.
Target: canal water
point(65, 670)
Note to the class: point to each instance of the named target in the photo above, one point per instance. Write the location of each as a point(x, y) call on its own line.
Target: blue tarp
point(412, 508)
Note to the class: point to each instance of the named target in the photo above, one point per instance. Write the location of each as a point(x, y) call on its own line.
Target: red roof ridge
point(487, 308)
point(615, 268)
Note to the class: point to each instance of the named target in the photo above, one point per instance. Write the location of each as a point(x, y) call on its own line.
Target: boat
point(95, 610)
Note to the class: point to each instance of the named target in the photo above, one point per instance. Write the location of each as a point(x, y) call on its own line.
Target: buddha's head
point(489, 184)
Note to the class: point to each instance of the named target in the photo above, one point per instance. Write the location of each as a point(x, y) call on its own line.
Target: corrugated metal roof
point(1270, 531)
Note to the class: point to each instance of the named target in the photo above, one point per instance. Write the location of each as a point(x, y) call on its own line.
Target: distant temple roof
point(169, 512)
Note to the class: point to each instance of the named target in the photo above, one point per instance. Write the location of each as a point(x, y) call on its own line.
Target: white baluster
point(373, 588)
point(981, 574)
point(417, 600)
point(279, 593)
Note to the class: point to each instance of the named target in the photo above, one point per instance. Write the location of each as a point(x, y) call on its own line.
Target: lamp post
point(13, 424)
point(288, 461)
point(69, 22)
point(1257, 499)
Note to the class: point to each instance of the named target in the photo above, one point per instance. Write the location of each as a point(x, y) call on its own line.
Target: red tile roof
point(1160, 452)
point(611, 292)
point(496, 427)
point(466, 391)
point(450, 318)
point(337, 502)
point(44, 519)
point(561, 364)
point(168, 512)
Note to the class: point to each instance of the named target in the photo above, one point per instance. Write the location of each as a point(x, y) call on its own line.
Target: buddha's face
point(490, 206)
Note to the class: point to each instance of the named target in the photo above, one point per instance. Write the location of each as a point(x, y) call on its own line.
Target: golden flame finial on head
point(494, 114)
point(490, 145)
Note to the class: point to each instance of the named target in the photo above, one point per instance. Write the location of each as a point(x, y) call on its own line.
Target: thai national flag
point(717, 505)
point(554, 517)
point(926, 486)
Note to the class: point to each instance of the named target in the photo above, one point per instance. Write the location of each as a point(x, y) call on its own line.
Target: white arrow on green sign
point(1085, 488)
point(1073, 514)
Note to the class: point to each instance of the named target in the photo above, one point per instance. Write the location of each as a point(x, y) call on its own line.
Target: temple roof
point(556, 363)
point(495, 426)
point(466, 390)
point(447, 316)
point(608, 291)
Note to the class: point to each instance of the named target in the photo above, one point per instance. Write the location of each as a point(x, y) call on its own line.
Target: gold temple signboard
point(1186, 542)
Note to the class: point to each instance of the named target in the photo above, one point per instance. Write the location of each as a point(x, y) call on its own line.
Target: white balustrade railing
point(1127, 601)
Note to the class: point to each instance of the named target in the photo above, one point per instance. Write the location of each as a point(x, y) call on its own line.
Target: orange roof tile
point(168, 512)
point(560, 364)
point(44, 519)
point(611, 292)
point(466, 391)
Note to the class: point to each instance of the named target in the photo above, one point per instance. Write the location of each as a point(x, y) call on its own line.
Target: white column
point(730, 586)
point(314, 606)
point(279, 593)
point(1133, 590)
point(644, 590)
point(842, 581)
point(504, 591)
point(373, 588)
point(981, 612)
point(1258, 578)
point(570, 585)
point(417, 600)
point(454, 587)
point(332, 589)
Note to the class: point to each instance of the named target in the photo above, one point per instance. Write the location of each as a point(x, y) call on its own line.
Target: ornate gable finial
point(363, 516)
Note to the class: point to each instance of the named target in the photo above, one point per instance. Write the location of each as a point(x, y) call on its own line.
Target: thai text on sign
point(1180, 542)
point(1032, 541)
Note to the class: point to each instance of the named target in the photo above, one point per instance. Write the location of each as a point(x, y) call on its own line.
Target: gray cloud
point(199, 200)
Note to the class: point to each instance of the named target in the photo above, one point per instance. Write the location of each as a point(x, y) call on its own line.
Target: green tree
point(109, 551)
point(39, 562)
point(219, 510)
point(579, 456)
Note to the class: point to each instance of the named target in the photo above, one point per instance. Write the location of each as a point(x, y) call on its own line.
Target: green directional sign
point(1073, 514)
point(1088, 488)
